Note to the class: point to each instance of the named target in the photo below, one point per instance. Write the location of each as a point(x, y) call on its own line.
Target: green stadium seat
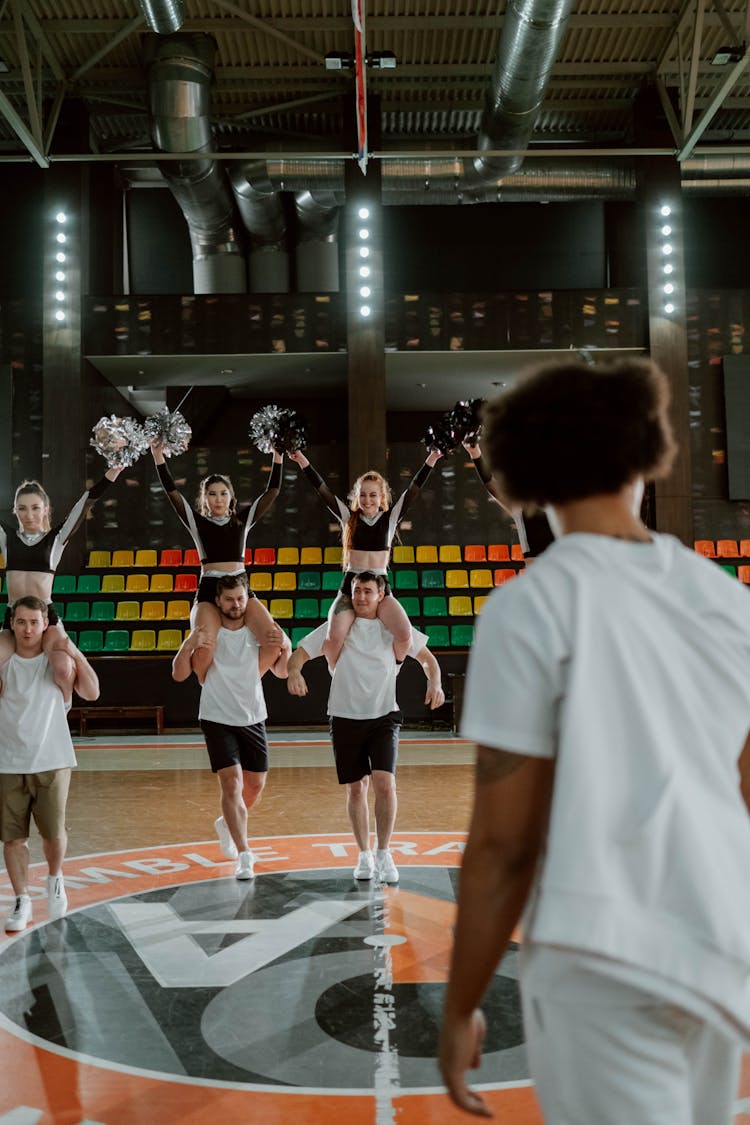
point(117, 640)
point(308, 580)
point(433, 579)
point(90, 583)
point(64, 584)
point(306, 609)
point(410, 606)
point(102, 611)
point(406, 580)
point(437, 636)
point(462, 636)
point(70, 632)
point(298, 632)
point(435, 606)
point(729, 569)
point(76, 611)
point(332, 579)
point(325, 605)
point(91, 640)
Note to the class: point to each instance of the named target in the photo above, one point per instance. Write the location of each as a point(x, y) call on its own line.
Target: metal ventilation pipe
point(262, 211)
point(163, 16)
point(530, 39)
point(179, 75)
point(317, 249)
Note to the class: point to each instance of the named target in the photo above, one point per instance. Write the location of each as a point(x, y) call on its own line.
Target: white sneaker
point(57, 900)
point(365, 868)
point(20, 917)
point(226, 843)
point(246, 866)
point(387, 870)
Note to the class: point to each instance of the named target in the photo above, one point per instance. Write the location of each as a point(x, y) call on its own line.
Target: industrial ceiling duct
point(529, 42)
point(262, 211)
point(317, 244)
point(180, 68)
point(163, 16)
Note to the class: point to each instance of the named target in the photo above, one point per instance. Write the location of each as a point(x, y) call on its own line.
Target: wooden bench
point(92, 715)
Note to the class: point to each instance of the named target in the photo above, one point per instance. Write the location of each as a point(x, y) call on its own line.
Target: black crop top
point(221, 542)
point(43, 557)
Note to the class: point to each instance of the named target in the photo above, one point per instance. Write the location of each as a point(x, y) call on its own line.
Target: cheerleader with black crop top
point(368, 525)
point(219, 528)
point(533, 528)
point(32, 550)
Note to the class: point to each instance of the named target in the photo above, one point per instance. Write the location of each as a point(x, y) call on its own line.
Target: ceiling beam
point(124, 33)
point(695, 55)
point(32, 106)
point(21, 129)
point(265, 27)
point(710, 111)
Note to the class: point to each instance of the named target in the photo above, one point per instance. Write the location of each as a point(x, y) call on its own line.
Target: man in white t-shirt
point(36, 757)
point(364, 717)
point(232, 715)
point(609, 698)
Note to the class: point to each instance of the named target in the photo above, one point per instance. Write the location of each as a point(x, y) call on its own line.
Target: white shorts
point(602, 1052)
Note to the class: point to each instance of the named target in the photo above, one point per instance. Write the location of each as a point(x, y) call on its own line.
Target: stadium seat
point(185, 583)
point(325, 605)
point(406, 580)
point(402, 554)
point(287, 556)
point(153, 611)
point(475, 552)
point(705, 547)
point(744, 548)
point(462, 636)
point(122, 558)
point(437, 636)
point(433, 579)
point(460, 606)
point(282, 607)
point(285, 580)
point(261, 580)
point(410, 606)
point(265, 556)
point(300, 631)
point(102, 611)
point(128, 611)
point(308, 580)
point(76, 611)
point(91, 640)
point(136, 584)
point(727, 549)
point(498, 552)
point(70, 632)
point(456, 579)
point(332, 579)
point(190, 557)
point(731, 570)
point(516, 553)
point(98, 560)
point(480, 579)
point(117, 640)
point(170, 557)
point(450, 553)
point(479, 603)
point(247, 557)
point(112, 583)
point(169, 640)
point(143, 640)
point(427, 554)
point(178, 609)
point(503, 575)
point(65, 583)
point(145, 558)
point(306, 609)
point(311, 556)
point(435, 606)
point(743, 573)
point(332, 556)
point(89, 583)
point(161, 584)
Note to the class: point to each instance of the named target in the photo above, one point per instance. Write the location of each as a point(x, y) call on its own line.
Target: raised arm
point(167, 482)
point(80, 509)
point(334, 503)
point(435, 696)
point(258, 508)
point(486, 477)
point(418, 481)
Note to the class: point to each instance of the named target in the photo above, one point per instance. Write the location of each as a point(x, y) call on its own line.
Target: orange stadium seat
point(170, 557)
point(705, 547)
point(190, 558)
point(726, 549)
point(475, 552)
point(265, 556)
point(498, 552)
point(186, 583)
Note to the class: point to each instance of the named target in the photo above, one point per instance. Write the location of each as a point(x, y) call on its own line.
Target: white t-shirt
point(628, 662)
point(363, 684)
point(233, 692)
point(34, 735)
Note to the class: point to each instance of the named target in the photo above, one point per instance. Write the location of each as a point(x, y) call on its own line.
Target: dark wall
point(159, 253)
point(717, 242)
point(21, 231)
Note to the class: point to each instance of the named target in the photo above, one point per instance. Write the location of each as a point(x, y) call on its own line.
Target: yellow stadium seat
point(287, 556)
point(128, 611)
point(460, 607)
point(113, 583)
point(99, 559)
point(145, 558)
point(153, 611)
point(178, 610)
point(450, 553)
point(427, 554)
point(479, 603)
point(136, 584)
point(311, 556)
point(480, 579)
point(161, 583)
point(285, 580)
point(260, 580)
point(143, 640)
point(332, 556)
point(456, 579)
point(122, 558)
point(403, 554)
point(169, 640)
point(282, 607)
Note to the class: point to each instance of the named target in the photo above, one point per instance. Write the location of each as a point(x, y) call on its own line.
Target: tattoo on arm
point(343, 605)
point(492, 765)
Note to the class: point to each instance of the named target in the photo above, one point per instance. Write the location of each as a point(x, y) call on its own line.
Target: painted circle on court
point(169, 974)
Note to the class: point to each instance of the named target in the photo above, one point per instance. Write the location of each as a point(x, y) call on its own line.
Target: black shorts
point(52, 617)
point(363, 745)
point(346, 584)
point(206, 591)
point(246, 747)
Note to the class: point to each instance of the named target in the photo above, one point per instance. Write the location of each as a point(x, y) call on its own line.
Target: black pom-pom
point(440, 438)
point(279, 429)
point(466, 419)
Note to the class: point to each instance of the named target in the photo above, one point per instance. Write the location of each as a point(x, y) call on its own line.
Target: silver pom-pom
point(278, 429)
point(120, 441)
point(170, 430)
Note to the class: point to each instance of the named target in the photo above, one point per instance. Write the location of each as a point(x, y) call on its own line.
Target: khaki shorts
point(41, 795)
